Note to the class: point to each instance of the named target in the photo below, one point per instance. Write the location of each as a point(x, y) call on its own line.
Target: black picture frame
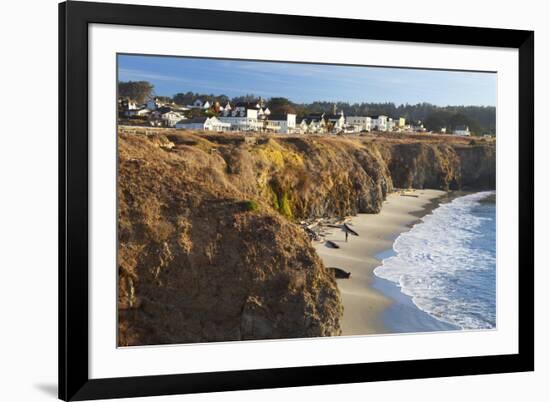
point(74, 18)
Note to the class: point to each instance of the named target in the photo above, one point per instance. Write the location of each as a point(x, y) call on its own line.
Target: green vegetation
point(451, 120)
point(284, 205)
point(281, 106)
point(199, 113)
point(189, 97)
point(250, 205)
point(275, 200)
point(281, 201)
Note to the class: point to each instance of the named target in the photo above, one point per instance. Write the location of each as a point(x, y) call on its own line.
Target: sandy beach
point(363, 304)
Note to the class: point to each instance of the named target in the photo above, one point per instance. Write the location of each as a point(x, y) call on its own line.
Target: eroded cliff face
point(304, 177)
point(443, 166)
point(209, 248)
point(199, 261)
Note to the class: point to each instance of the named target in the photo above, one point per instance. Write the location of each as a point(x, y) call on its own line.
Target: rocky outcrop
point(442, 166)
point(209, 248)
point(477, 166)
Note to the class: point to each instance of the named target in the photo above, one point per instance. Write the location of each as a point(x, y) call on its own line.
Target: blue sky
point(303, 83)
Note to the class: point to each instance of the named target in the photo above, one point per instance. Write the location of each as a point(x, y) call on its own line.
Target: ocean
point(444, 268)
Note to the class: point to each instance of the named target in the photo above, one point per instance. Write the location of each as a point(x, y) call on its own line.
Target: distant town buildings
point(166, 116)
point(418, 127)
point(205, 114)
point(380, 123)
point(360, 123)
point(203, 123)
point(283, 124)
point(461, 130)
point(312, 124)
point(199, 104)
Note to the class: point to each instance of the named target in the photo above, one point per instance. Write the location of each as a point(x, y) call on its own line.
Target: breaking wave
point(447, 263)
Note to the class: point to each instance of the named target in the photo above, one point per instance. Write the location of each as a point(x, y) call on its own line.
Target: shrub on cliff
point(250, 205)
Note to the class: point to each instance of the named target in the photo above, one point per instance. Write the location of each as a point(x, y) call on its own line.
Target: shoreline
point(370, 305)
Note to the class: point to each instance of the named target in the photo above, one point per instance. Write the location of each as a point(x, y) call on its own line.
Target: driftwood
point(346, 228)
point(317, 229)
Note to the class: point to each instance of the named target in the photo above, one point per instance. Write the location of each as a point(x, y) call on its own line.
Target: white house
point(380, 123)
point(363, 123)
point(239, 123)
point(285, 124)
point(166, 116)
point(129, 104)
point(137, 112)
point(390, 124)
point(199, 104)
point(243, 119)
point(203, 123)
point(171, 117)
point(461, 130)
point(303, 126)
point(318, 126)
point(219, 108)
point(263, 113)
point(338, 121)
point(316, 123)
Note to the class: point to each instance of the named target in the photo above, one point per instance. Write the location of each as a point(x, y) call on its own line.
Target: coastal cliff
point(209, 248)
point(443, 166)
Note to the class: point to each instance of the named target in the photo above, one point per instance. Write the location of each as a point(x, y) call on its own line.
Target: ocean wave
point(447, 263)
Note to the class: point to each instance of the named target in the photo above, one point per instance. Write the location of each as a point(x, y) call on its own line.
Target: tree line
point(480, 119)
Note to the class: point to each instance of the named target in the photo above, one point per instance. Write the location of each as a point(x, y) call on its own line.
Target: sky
point(304, 83)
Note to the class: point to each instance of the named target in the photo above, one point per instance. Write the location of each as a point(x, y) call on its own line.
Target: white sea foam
point(447, 263)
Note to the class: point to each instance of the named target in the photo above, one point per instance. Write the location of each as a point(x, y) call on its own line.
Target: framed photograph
point(257, 201)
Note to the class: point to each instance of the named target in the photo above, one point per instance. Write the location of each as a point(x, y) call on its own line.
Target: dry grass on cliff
point(240, 137)
point(201, 259)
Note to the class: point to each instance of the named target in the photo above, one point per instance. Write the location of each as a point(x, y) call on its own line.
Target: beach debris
point(331, 244)
point(339, 273)
point(318, 229)
point(407, 193)
point(346, 228)
point(312, 234)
